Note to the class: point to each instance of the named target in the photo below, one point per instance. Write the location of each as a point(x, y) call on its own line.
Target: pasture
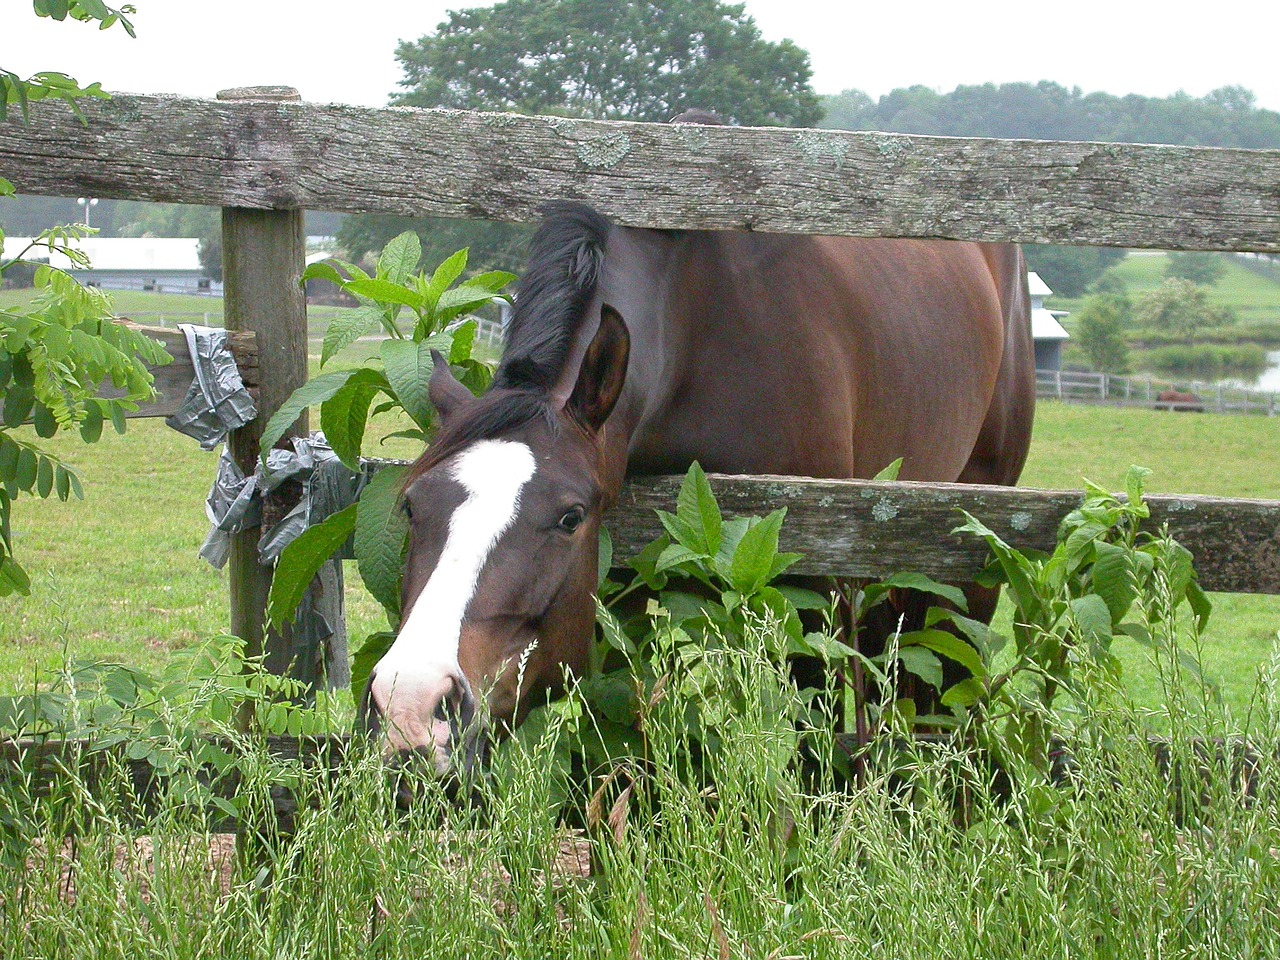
point(129, 587)
point(1253, 297)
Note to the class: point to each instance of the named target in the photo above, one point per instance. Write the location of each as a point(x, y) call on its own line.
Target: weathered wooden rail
point(263, 156)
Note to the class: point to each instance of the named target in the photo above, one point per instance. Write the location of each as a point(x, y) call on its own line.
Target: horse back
point(834, 356)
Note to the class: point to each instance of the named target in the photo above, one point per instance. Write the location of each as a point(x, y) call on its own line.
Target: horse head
point(504, 516)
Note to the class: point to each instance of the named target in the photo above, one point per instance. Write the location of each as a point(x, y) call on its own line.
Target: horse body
point(639, 351)
point(816, 356)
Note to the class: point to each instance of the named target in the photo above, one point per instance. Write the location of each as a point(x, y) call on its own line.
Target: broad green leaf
point(366, 658)
point(890, 472)
point(604, 555)
point(384, 291)
point(963, 694)
point(918, 581)
point(13, 579)
point(381, 529)
point(399, 257)
point(464, 338)
point(408, 366)
point(316, 390)
point(323, 270)
point(755, 553)
point(1201, 606)
point(673, 556)
point(1113, 578)
point(44, 477)
point(442, 278)
point(923, 663)
point(949, 645)
point(344, 416)
point(302, 559)
point(696, 506)
point(346, 329)
point(1090, 613)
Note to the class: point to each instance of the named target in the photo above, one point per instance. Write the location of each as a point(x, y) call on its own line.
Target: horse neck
point(636, 280)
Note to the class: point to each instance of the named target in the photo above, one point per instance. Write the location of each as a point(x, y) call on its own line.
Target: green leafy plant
point(420, 314)
point(50, 85)
point(56, 354)
point(1106, 578)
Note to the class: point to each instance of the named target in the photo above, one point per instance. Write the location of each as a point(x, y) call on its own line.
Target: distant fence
point(1116, 390)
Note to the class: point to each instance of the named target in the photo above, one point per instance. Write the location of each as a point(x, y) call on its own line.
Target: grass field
point(1252, 297)
point(117, 576)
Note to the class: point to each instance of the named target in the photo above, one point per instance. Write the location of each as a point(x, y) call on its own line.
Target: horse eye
point(569, 522)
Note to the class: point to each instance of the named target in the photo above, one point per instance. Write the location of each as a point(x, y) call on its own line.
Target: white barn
point(163, 264)
point(1046, 331)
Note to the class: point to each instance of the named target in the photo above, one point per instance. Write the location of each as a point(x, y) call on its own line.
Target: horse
point(638, 351)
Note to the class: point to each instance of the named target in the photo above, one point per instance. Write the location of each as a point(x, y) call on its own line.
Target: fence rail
point(258, 152)
point(1117, 390)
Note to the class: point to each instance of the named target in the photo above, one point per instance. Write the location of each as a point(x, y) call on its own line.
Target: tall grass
point(929, 855)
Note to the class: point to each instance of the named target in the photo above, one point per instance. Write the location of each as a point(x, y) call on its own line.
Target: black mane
point(564, 269)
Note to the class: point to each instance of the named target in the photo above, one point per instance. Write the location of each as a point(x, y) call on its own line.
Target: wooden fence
point(1116, 390)
point(264, 156)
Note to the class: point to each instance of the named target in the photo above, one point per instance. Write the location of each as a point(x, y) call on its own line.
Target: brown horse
point(639, 351)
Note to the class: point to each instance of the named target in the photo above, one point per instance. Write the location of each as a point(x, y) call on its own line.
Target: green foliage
point(1226, 117)
point(1070, 271)
point(55, 354)
point(419, 313)
point(1204, 360)
point(1100, 332)
point(1201, 268)
point(1106, 578)
point(48, 85)
point(593, 58)
point(1180, 308)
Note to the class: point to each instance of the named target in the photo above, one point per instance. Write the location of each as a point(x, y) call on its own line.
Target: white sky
point(344, 52)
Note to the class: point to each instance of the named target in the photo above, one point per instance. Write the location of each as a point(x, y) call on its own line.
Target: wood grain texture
point(859, 528)
point(267, 154)
point(173, 380)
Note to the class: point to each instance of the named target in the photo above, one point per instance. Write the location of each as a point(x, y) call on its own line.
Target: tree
point(1069, 271)
point(1181, 308)
point(605, 60)
point(1099, 332)
point(1205, 269)
point(59, 349)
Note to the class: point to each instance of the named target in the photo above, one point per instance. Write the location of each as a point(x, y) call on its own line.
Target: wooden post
point(263, 256)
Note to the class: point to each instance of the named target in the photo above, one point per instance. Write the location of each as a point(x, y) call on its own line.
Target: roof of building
point(1045, 326)
point(125, 253)
point(1036, 286)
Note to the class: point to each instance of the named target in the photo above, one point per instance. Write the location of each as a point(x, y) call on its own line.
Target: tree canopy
point(604, 60)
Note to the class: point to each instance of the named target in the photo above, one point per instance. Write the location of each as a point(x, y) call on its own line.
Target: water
point(1267, 381)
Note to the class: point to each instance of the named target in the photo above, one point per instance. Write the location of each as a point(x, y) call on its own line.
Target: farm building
point(1046, 331)
point(162, 264)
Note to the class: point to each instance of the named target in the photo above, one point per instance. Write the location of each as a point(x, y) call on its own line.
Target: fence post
point(263, 255)
point(1057, 380)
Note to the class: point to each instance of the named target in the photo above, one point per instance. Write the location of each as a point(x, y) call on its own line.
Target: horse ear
point(445, 391)
point(603, 372)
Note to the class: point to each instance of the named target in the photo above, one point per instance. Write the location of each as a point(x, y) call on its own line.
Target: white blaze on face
point(424, 658)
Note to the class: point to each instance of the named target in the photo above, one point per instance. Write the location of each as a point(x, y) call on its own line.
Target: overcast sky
point(344, 52)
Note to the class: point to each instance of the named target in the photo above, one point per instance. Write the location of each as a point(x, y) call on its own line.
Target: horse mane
point(564, 268)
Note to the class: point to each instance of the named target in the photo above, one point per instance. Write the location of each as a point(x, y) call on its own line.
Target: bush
point(1204, 360)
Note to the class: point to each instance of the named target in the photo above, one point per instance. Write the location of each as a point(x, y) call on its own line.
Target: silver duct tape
point(319, 652)
point(217, 401)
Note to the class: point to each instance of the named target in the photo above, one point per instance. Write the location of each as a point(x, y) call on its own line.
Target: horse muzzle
point(430, 715)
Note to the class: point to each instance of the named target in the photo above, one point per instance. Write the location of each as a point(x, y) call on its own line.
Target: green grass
point(926, 857)
point(1252, 297)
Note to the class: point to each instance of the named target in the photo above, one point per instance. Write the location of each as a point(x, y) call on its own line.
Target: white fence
point(1123, 391)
